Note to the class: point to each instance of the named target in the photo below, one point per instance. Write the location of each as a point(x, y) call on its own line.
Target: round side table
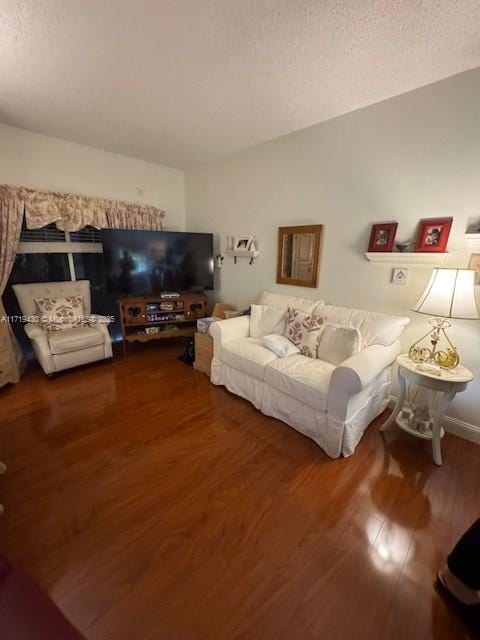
point(446, 385)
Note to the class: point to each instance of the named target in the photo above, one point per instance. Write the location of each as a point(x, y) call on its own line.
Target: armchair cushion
point(74, 339)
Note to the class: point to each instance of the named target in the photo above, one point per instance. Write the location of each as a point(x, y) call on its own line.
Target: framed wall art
point(433, 235)
point(382, 237)
point(243, 243)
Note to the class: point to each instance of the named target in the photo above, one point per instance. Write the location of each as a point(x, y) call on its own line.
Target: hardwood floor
point(152, 505)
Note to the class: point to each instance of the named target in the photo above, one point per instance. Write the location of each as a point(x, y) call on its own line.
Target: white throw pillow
point(279, 345)
point(265, 319)
point(338, 343)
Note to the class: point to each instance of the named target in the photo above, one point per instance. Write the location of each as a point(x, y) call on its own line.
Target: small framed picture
point(399, 276)
point(243, 243)
point(474, 264)
point(433, 235)
point(382, 237)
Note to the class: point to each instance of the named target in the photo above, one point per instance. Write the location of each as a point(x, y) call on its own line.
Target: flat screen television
point(143, 262)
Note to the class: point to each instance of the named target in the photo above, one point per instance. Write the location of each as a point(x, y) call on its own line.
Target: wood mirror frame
point(304, 241)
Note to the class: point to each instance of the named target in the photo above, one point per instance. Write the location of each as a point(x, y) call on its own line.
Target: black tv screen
point(143, 262)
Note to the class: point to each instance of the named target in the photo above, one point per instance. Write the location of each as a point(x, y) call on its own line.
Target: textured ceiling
point(182, 82)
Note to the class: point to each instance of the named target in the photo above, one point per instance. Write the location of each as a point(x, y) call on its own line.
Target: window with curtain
point(62, 242)
point(51, 255)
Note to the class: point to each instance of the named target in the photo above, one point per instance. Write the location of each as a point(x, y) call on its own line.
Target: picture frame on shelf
point(433, 234)
point(474, 263)
point(382, 236)
point(243, 243)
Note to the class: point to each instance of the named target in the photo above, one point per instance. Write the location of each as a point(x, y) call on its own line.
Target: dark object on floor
point(27, 612)
point(459, 581)
point(470, 614)
point(464, 560)
point(188, 355)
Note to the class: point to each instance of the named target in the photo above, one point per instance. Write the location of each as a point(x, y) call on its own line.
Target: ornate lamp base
point(447, 359)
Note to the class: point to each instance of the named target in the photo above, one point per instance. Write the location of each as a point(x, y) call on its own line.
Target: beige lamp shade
point(449, 294)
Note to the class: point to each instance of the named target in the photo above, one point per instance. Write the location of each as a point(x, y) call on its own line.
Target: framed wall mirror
point(299, 255)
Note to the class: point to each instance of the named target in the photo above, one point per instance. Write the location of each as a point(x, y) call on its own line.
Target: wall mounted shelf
point(405, 259)
point(473, 241)
point(251, 255)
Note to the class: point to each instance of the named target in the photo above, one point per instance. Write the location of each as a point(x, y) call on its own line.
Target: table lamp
point(449, 294)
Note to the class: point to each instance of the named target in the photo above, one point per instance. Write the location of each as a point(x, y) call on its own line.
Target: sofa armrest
point(356, 373)
point(225, 330)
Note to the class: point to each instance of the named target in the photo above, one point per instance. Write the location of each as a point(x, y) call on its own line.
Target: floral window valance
point(72, 212)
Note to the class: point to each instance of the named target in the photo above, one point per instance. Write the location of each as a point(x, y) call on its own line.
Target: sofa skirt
point(335, 437)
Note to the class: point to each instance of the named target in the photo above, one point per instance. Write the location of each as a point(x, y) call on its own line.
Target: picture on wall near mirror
point(433, 234)
point(382, 236)
point(243, 243)
point(299, 249)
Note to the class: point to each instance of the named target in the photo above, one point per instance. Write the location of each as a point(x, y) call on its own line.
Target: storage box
point(220, 308)
point(203, 324)
point(203, 353)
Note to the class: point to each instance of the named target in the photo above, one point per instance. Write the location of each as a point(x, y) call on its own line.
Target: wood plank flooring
point(153, 505)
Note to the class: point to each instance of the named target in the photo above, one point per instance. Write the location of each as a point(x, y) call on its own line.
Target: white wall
point(41, 162)
point(414, 156)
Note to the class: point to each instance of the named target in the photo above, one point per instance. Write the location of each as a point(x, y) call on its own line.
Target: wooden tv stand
point(152, 317)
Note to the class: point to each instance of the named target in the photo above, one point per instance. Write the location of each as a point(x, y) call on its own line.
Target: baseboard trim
point(454, 426)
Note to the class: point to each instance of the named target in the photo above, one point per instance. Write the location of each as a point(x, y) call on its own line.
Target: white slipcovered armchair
point(60, 350)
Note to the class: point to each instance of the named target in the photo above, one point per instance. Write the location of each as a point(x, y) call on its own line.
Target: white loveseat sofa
point(332, 405)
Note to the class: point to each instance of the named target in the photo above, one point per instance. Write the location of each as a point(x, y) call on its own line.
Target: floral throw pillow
point(304, 330)
point(57, 314)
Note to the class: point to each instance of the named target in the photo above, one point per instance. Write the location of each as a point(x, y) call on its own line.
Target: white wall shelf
point(405, 258)
point(251, 255)
point(473, 241)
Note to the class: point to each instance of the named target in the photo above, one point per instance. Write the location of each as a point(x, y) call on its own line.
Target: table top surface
point(459, 374)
